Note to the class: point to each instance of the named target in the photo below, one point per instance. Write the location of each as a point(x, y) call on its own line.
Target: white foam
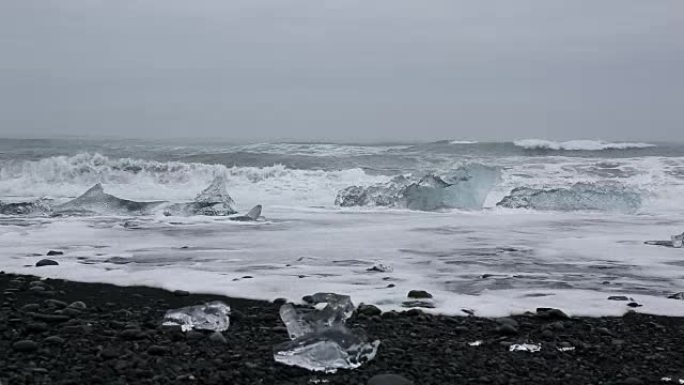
point(531, 259)
point(577, 145)
point(463, 142)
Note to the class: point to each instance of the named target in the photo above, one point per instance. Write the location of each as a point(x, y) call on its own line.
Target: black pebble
point(389, 379)
point(419, 294)
point(25, 346)
point(54, 252)
point(46, 262)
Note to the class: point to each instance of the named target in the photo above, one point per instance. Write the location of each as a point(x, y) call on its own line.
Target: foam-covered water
point(560, 224)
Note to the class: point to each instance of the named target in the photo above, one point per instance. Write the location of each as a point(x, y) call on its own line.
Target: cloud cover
point(346, 70)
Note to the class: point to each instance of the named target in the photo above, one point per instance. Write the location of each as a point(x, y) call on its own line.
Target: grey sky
point(349, 70)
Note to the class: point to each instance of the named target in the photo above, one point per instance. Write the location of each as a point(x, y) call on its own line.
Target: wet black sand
point(117, 339)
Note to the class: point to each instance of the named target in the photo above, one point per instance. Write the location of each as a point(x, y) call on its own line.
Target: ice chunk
point(294, 321)
point(580, 196)
point(338, 308)
point(327, 350)
point(475, 343)
point(213, 316)
point(464, 188)
point(36, 207)
point(320, 340)
point(677, 240)
point(532, 348)
point(380, 268)
point(212, 201)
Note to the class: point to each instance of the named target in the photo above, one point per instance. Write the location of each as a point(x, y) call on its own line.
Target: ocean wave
point(577, 145)
point(68, 176)
point(463, 142)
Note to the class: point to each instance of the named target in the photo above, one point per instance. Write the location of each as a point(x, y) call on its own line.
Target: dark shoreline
point(117, 339)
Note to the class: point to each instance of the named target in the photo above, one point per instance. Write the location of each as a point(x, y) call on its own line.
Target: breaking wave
point(577, 145)
point(578, 197)
point(69, 176)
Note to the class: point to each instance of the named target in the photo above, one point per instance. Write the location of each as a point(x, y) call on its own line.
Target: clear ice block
point(327, 350)
point(213, 316)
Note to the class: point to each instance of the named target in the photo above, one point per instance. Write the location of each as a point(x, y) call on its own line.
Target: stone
point(368, 310)
point(46, 262)
point(78, 305)
point(55, 340)
point(419, 294)
point(218, 338)
point(157, 350)
point(54, 252)
point(389, 379)
point(25, 346)
point(181, 293)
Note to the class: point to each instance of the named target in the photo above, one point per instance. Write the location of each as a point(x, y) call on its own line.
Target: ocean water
point(571, 234)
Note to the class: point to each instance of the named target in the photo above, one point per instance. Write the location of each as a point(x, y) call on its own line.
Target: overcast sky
point(350, 70)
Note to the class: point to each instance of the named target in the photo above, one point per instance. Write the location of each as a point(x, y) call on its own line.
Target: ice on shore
point(677, 240)
point(532, 348)
point(327, 350)
point(320, 339)
point(213, 316)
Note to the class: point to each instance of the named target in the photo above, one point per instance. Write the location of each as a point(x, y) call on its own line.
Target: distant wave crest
point(578, 145)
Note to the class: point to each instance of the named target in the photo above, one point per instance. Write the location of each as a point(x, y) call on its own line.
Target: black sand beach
point(117, 339)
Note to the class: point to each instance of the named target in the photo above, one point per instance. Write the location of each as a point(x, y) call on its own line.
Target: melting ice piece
point(337, 310)
point(300, 322)
point(294, 322)
point(565, 349)
point(214, 316)
point(532, 348)
point(475, 343)
point(327, 350)
point(677, 240)
point(381, 268)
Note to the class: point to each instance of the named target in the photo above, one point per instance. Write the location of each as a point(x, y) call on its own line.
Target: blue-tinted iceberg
point(96, 202)
point(580, 196)
point(35, 207)
point(212, 201)
point(464, 188)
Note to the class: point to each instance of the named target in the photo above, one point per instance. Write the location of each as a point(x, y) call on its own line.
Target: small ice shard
point(532, 348)
point(566, 349)
point(475, 343)
point(213, 316)
point(380, 268)
point(327, 350)
point(677, 240)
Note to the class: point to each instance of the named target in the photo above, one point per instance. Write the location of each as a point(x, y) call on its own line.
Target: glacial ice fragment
point(327, 350)
point(213, 316)
point(36, 207)
point(464, 188)
point(580, 196)
point(303, 321)
point(212, 201)
point(320, 339)
point(532, 348)
point(677, 240)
